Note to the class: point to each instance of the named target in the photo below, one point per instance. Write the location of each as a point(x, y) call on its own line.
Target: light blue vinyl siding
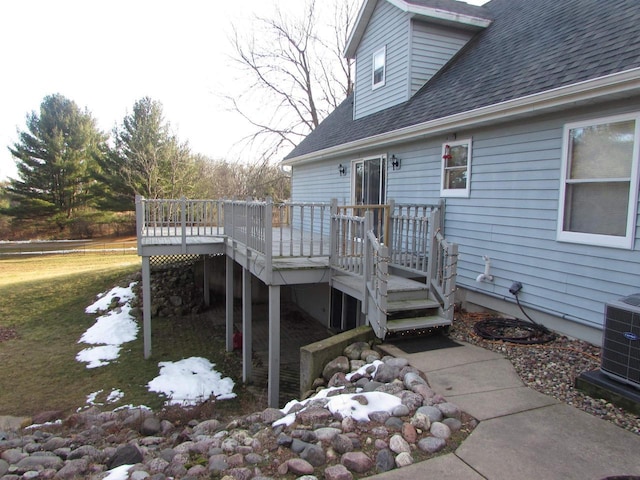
point(431, 47)
point(511, 215)
point(320, 182)
point(388, 27)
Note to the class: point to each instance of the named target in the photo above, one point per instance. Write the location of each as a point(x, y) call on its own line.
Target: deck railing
point(442, 268)
point(179, 218)
point(381, 216)
point(245, 222)
point(347, 244)
point(301, 229)
point(409, 236)
point(416, 245)
point(376, 276)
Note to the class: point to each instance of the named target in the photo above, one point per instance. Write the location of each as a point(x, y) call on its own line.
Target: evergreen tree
point(54, 158)
point(147, 159)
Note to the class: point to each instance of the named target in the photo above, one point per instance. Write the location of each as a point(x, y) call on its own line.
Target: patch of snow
point(104, 299)
point(110, 330)
point(98, 356)
point(131, 407)
point(113, 328)
point(112, 397)
point(118, 473)
point(115, 395)
point(363, 370)
point(190, 381)
point(45, 424)
point(347, 404)
point(91, 398)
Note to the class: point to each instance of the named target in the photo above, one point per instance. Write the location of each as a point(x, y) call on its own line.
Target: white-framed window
point(599, 181)
point(456, 168)
point(379, 67)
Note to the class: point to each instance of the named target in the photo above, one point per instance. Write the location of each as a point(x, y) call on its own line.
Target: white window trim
point(384, 69)
point(592, 238)
point(456, 192)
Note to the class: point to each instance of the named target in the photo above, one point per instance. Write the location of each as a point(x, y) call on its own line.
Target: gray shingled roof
point(531, 46)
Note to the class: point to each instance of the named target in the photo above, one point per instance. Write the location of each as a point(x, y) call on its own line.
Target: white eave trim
point(609, 85)
point(364, 15)
point(442, 15)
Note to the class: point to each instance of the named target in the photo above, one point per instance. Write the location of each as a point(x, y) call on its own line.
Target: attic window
point(379, 67)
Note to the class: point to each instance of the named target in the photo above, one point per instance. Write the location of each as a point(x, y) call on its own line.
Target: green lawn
point(43, 300)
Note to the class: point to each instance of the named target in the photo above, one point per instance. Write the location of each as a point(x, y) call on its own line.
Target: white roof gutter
point(616, 84)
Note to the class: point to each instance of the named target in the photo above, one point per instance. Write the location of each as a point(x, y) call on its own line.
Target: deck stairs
point(409, 306)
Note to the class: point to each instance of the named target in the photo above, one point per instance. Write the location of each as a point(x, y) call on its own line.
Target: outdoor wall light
point(342, 170)
point(395, 162)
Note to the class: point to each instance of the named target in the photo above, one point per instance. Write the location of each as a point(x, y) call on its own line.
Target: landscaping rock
point(340, 364)
point(432, 444)
point(385, 460)
point(357, 462)
point(150, 426)
point(337, 472)
point(125, 455)
point(299, 466)
point(312, 442)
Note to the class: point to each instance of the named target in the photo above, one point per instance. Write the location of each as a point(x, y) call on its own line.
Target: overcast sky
point(107, 55)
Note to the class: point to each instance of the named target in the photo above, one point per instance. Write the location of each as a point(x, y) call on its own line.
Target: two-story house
point(523, 117)
point(501, 144)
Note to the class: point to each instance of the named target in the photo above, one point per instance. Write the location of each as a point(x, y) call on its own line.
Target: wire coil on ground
point(513, 330)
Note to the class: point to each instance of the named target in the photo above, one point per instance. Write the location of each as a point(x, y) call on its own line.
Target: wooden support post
point(229, 302)
point(367, 260)
point(183, 223)
point(139, 221)
point(246, 325)
point(333, 235)
point(146, 305)
point(268, 239)
point(274, 345)
point(205, 286)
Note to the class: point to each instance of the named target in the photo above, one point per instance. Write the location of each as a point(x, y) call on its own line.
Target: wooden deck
point(369, 258)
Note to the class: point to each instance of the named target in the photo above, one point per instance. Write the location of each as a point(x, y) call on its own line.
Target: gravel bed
point(551, 368)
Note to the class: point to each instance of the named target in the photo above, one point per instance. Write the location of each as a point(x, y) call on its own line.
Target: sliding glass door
point(369, 181)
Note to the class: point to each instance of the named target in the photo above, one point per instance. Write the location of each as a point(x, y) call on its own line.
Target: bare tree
point(297, 73)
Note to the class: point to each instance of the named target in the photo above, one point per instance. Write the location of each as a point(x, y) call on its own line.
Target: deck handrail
point(408, 238)
point(301, 229)
point(347, 244)
point(178, 218)
point(399, 236)
point(442, 270)
point(380, 219)
point(376, 279)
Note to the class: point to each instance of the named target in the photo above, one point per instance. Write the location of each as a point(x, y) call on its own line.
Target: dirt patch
point(7, 333)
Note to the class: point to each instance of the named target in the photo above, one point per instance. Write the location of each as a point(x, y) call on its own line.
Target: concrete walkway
point(522, 434)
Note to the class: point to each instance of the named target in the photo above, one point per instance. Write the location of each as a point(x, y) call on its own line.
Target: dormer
point(398, 45)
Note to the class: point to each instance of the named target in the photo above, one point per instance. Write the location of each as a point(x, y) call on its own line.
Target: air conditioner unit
point(621, 340)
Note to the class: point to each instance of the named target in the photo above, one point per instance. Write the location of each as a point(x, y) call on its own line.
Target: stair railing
point(347, 244)
point(376, 279)
point(442, 268)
